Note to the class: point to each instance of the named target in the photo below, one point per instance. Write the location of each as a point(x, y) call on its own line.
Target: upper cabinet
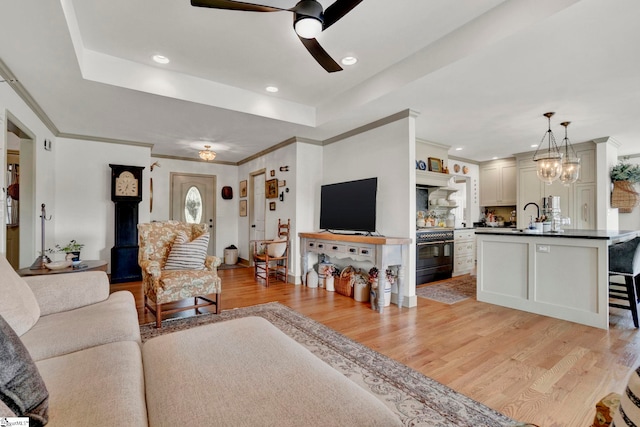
point(577, 201)
point(498, 183)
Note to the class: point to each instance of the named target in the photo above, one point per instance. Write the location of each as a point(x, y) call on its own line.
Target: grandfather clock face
point(127, 185)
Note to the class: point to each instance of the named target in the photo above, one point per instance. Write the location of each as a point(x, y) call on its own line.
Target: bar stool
point(624, 260)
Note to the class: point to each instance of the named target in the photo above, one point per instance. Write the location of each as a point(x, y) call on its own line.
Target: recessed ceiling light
point(349, 60)
point(271, 89)
point(534, 145)
point(494, 158)
point(160, 59)
point(459, 149)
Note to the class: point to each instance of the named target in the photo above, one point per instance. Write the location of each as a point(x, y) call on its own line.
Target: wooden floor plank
point(533, 368)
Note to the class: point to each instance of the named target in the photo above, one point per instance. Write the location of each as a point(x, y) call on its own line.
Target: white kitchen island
point(562, 275)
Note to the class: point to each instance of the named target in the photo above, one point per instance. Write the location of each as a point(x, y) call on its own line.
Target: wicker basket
point(344, 283)
point(624, 196)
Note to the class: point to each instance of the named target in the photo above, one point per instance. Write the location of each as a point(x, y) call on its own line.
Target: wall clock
point(126, 193)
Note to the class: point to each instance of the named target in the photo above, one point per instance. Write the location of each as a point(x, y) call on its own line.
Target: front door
point(193, 200)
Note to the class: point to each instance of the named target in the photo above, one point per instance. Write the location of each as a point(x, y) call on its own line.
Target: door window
point(193, 206)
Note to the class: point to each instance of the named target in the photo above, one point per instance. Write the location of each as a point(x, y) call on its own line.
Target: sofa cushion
point(115, 319)
point(21, 387)
point(18, 305)
point(248, 372)
point(100, 386)
point(188, 255)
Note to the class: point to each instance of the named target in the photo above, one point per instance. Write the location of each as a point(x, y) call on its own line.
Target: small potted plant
point(72, 249)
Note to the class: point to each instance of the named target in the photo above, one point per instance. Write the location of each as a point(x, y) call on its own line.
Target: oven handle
point(431, 243)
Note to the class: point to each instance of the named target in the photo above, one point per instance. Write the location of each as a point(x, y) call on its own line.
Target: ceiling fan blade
point(320, 55)
point(235, 5)
point(337, 10)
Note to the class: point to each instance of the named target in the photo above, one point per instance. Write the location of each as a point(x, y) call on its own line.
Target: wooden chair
point(271, 257)
point(624, 260)
point(163, 286)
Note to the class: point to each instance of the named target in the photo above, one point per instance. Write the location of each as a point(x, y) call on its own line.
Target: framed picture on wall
point(272, 206)
point(271, 189)
point(435, 165)
point(243, 188)
point(243, 208)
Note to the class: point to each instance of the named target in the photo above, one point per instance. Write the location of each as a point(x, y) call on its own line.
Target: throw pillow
point(21, 387)
point(624, 257)
point(276, 248)
point(18, 305)
point(188, 255)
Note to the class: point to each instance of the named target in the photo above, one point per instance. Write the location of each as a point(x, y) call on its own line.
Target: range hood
point(432, 179)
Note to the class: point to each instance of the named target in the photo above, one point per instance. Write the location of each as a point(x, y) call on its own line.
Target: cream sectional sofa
point(86, 346)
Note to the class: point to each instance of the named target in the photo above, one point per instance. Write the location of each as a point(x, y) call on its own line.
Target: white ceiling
point(480, 73)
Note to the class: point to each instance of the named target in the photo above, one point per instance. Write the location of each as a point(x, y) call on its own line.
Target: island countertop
point(563, 275)
point(614, 235)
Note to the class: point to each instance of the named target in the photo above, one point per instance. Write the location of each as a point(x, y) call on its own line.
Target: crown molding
point(24, 94)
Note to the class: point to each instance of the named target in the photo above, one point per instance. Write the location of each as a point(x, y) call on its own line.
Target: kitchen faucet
point(534, 204)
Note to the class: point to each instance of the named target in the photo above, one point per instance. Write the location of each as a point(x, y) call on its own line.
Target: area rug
point(415, 398)
point(450, 292)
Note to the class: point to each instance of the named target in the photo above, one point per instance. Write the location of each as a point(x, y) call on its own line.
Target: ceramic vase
point(312, 279)
point(328, 283)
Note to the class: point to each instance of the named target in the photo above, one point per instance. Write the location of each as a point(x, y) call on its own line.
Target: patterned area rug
point(450, 292)
point(415, 398)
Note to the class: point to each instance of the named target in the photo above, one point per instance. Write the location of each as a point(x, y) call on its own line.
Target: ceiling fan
point(309, 20)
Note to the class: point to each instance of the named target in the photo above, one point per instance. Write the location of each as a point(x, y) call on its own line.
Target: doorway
point(193, 200)
point(257, 208)
point(18, 210)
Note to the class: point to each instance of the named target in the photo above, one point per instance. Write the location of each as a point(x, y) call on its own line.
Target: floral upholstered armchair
point(175, 266)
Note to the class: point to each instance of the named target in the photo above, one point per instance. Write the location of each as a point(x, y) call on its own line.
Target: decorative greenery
point(625, 172)
point(72, 246)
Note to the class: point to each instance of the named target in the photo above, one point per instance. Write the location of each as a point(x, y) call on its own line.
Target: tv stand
point(382, 252)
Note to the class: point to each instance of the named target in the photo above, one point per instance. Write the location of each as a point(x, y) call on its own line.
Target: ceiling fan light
point(308, 27)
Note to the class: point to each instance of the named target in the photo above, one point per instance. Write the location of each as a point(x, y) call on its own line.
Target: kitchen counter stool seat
point(624, 260)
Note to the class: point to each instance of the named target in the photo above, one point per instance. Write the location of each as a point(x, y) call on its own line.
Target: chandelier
point(570, 161)
point(207, 154)
point(549, 161)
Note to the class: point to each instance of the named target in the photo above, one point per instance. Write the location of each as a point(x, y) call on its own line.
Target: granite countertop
point(572, 234)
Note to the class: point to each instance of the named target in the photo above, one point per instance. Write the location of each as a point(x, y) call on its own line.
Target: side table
point(91, 265)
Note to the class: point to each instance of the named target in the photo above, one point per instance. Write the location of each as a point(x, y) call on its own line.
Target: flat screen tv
point(349, 205)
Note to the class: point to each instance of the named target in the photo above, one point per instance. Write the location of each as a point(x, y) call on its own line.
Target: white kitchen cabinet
point(498, 183)
point(534, 190)
point(464, 252)
point(584, 214)
point(577, 201)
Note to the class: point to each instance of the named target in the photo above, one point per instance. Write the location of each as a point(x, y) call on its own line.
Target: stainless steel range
point(434, 255)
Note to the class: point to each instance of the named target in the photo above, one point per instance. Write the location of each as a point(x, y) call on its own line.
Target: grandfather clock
point(126, 193)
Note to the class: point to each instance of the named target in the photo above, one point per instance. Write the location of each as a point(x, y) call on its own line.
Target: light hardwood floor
point(532, 368)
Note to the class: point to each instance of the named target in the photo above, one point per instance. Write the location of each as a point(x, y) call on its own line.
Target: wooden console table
point(92, 265)
point(383, 252)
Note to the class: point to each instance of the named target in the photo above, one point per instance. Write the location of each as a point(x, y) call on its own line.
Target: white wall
point(226, 210)
point(606, 158)
point(84, 210)
point(308, 182)
point(13, 107)
point(388, 153)
point(285, 156)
